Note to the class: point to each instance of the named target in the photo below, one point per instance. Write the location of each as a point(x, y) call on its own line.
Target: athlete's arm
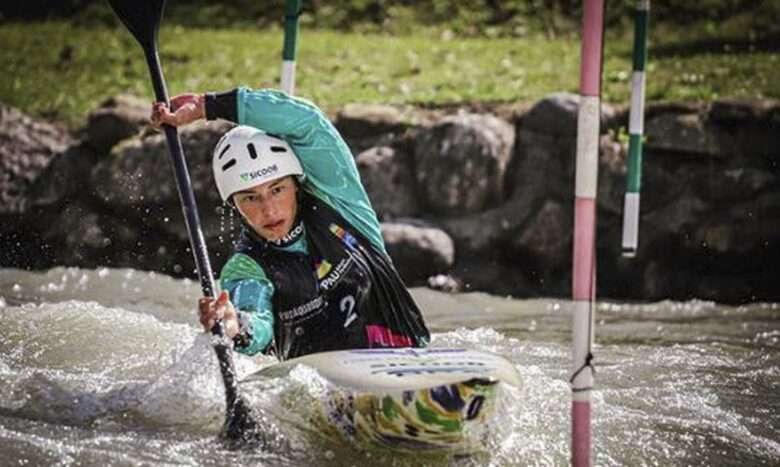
point(250, 292)
point(331, 173)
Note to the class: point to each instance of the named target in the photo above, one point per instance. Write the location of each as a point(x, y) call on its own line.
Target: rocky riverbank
point(471, 198)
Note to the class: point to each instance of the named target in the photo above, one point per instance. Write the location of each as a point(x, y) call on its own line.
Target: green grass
point(60, 71)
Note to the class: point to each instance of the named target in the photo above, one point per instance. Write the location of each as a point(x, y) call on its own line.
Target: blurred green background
point(61, 58)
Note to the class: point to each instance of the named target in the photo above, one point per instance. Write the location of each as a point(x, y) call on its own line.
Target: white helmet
point(246, 157)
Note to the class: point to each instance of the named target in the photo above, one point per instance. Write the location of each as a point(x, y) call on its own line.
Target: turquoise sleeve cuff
point(261, 327)
point(253, 297)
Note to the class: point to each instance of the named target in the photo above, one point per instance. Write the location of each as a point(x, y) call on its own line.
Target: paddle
point(142, 19)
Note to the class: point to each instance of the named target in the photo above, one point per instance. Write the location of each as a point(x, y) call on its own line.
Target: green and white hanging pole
point(291, 13)
point(636, 122)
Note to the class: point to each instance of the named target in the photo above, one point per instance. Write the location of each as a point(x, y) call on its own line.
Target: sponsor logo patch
point(323, 268)
point(265, 171)
point(302, 312)
point(347, 238)
point(291, 236)
point(336, 273)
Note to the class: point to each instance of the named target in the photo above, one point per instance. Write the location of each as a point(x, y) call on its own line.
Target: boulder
point(418, 250)
point(445, 283)
point(366, 125)
point(688, 133)
point(496, 274)
point(675, 221)
point(77, 233)
point(737, 111)
point(545, 155)
point(387, 176)
point(542, 168)
point(556, 115)
point(460, 163)
point(27, 147)
point(758, 234)
point(721, 185)
point(749, 130)
point(116, 118)
point(486, 231)
point(663, 180)
point(710, 208)
point(138, 177)
point(65, 178)
point(546, 240)
point(612, 174)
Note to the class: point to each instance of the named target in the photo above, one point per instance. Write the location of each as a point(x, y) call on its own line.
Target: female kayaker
point(310, 272)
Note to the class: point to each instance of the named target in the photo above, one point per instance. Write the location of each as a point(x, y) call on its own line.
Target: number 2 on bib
point(347, 306)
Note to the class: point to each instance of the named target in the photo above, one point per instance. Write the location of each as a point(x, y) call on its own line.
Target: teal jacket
point(330, 174)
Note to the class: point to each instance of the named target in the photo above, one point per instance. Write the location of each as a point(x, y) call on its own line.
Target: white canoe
point(434, 399)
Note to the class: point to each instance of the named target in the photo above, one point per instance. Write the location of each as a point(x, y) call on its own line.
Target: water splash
point(94, 373)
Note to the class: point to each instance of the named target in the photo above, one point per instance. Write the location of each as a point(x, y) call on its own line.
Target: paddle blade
point(241, 427)
point(142, 18)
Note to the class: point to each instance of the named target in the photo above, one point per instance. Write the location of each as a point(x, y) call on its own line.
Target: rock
point(498, 275)
point(729, 288)
point(653, 109)
point(738, 110)
point(657, 282)
point(556, 115)
point(65, 178)
point(758, 232)
point(368, 119)
point(138, 176)
point(27, 147)
point(709, 220)
point(730, 185)
point(460, 163)
point(675, 220)
point(366, 125)
point(77, 233)
point(388, 179)
point(418, 251)
point(663, 181)
point(489, 230)
point(542, 168)
point(683, 134)
point(612, 175)
point(445, 283)
point(117, 118)
point(749, 131)
point(547, 237)
point(543, 165)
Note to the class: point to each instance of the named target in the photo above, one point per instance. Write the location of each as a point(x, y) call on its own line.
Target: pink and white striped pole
point(584, 257)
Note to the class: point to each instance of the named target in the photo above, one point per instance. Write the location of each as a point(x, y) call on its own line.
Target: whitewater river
point(108, 367)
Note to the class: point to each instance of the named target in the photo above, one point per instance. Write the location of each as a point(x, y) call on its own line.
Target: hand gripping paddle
point(142, 19)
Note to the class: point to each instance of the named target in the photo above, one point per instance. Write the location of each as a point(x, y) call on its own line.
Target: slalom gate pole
point(584, 254)
point(636, 130)
point(291, 14)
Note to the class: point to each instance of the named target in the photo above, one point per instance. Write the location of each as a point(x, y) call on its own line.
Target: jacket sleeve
point(250, 292)
point(328, 164)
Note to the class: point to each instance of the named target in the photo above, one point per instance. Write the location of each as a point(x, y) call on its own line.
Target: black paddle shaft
point(142, 19)
point(194, 230)
point(183, 183)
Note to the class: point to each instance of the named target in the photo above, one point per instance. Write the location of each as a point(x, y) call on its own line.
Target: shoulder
point(256, 99)
point(241, 266)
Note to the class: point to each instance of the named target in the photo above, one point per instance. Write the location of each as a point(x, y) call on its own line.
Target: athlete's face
point(269, 208)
